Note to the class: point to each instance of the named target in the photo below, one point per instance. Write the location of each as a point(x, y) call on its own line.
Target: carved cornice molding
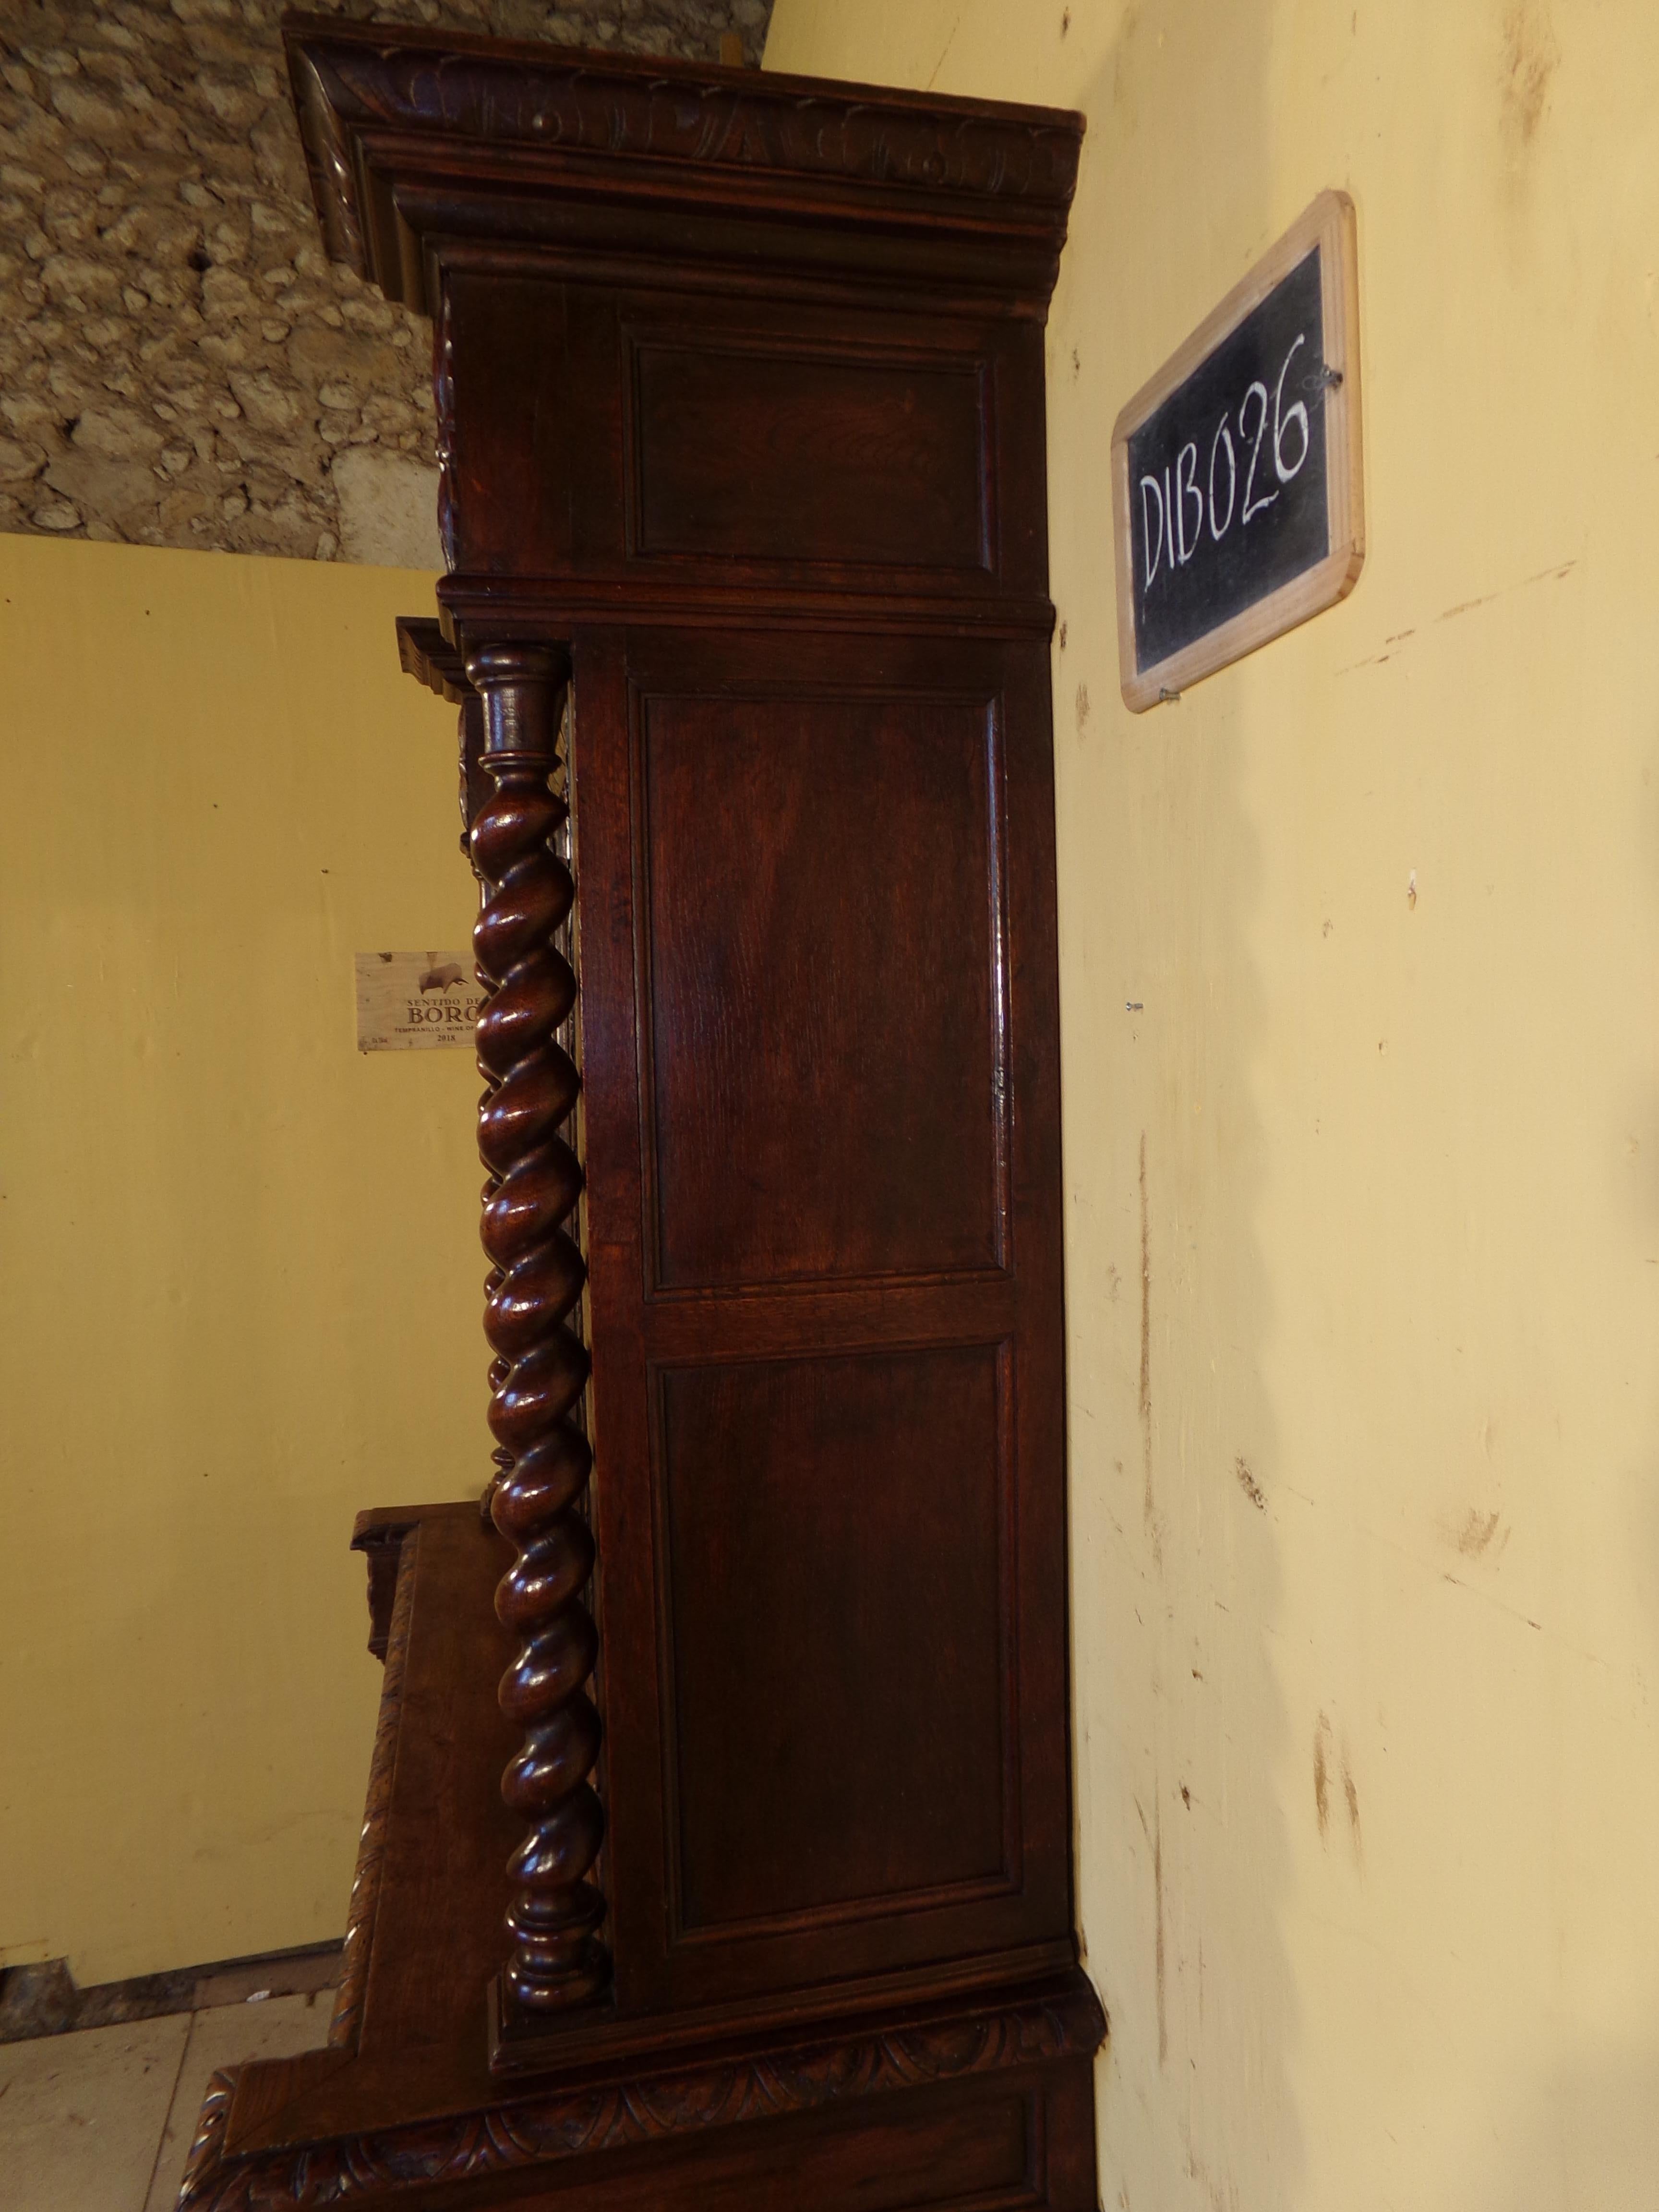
point(500, 108)
point(533, 2130)
point(425, 653)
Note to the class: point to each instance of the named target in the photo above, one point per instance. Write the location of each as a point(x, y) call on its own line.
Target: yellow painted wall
point(1367, 1585)
point(238, 1263)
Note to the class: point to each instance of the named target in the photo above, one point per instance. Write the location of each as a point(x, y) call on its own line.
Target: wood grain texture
point(800, 1502)
point(1329, 223)
point(910, 1090)
point(751, 446)
point(797, 1015)
point(867, 454)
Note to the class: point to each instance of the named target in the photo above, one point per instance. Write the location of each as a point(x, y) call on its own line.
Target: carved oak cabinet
point(718, 1842)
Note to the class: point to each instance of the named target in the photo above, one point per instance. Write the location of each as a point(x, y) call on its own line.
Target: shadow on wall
point(1585, 2132)
point(1182, 1728)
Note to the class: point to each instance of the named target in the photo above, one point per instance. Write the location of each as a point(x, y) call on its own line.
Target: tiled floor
point(102, 2121)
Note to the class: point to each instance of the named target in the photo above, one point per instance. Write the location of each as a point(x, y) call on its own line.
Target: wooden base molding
point(1030, 2043)
point(1023, 2140)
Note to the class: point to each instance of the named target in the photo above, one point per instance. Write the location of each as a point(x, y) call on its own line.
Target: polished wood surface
point(795, 1539)
point(791, 1011)
point(733, 1277)
point(740, 386)
point(530, 1319)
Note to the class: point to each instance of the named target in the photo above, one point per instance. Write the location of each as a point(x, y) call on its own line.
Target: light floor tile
point(222, 2037)
point(81, 2115)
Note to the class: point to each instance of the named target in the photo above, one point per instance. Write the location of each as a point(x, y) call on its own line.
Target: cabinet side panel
point(823, 1216)
point(862, 457)
point(822, 1000)
point(834, 1588)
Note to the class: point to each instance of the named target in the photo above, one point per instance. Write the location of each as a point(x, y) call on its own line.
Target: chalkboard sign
point(1236, 472)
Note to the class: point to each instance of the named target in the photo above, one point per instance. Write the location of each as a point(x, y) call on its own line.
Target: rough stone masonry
point(180, 363)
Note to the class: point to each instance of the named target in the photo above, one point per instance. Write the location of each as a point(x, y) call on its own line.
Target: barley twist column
point(532, 1321)
point(474, 786)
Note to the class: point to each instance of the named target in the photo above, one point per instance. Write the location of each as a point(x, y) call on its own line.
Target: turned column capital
point(521, 684)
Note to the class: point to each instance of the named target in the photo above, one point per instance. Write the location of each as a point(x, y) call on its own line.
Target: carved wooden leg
point(556, 1959)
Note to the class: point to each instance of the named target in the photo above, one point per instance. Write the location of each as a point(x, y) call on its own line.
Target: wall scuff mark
point(1146, 1396)
point(1322, 1777)
point(1158, 1961)
point(1247, 1482)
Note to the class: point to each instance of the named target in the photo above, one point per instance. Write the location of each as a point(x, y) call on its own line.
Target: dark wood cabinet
point(740, 384)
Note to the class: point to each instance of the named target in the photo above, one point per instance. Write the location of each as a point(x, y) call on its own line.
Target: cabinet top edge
point(383, 110)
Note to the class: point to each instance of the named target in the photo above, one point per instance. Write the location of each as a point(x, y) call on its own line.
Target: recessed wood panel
point(833, 1592)
point(826, 989)
point(749, 452)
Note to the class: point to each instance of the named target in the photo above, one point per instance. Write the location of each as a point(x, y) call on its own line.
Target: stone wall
point(180, 364)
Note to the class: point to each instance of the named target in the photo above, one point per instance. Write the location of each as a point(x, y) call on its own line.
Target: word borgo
point(1167, 507)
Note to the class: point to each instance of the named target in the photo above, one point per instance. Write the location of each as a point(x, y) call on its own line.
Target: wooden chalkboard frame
point(1327, 224)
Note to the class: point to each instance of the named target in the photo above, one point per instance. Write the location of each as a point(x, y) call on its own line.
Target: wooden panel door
point(824, 1218)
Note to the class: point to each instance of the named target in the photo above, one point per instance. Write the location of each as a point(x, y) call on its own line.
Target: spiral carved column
point(556, 1960)
point(474, 788)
